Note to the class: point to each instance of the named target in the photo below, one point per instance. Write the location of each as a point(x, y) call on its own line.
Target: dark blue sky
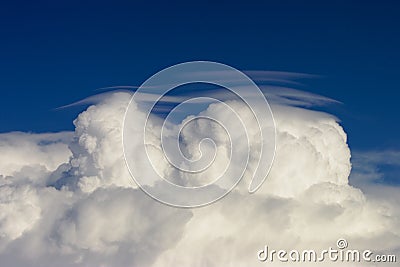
point(54, 53)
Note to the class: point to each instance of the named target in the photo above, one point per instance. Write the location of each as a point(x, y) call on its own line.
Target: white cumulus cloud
point(67, 199)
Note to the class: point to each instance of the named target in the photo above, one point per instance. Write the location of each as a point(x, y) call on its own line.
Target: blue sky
point(56, 53)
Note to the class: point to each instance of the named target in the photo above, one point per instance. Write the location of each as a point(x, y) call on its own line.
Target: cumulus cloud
point(67, 199)
point(24, 150)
